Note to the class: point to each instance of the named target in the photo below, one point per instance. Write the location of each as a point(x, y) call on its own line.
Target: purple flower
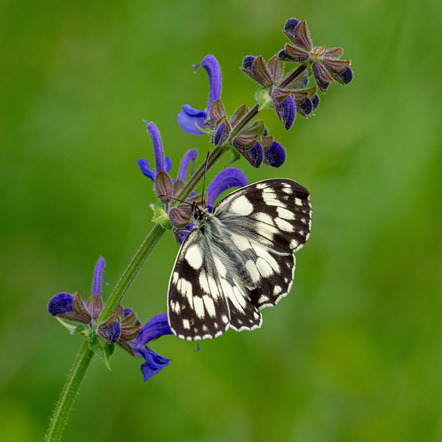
point(153, 329)
point(161, 164)
point(191, 120)
point(166, 187)
point(227, 178)
point(286, 110)
point(122, 328)
point(74, 308)
point(61, 304)
point(274, 156)
point(325, 63)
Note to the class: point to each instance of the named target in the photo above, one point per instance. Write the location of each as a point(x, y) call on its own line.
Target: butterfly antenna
point(204, 181)
point(175, 199)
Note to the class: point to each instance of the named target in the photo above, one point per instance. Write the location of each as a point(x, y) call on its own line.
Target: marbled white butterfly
point(238, 259)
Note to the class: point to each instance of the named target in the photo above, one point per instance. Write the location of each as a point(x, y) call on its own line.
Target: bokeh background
point(354, 353)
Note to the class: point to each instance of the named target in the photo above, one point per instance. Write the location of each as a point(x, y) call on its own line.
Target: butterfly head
point(199, 214)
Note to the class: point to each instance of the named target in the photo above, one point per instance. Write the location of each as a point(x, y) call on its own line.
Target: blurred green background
point(354, 353)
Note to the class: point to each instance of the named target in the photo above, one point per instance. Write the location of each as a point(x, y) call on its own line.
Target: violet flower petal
point(190, 119)
point(61, 304)
point(112, 331)
point(98, 273)
point(255, 155)
point(211, 65)
point(167, 164)
point(157, 146)
point(275, 155)
point(144, 165)
point(247, 63)
point(315, 102)
point(153, 365)
point(287, 110)
point(221, 134)
point(290, 25)
point(153, 329)
point(189, 156)
point(306, 106)
point(227, 178)
point(345, 76)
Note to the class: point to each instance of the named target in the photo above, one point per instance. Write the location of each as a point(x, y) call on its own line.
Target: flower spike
point(192, 120)
point(325, 63)
point(98, 273)
point(122, 328)
point(189, 156)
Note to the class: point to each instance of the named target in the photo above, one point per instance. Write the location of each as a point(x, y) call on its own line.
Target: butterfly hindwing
point(238, 260)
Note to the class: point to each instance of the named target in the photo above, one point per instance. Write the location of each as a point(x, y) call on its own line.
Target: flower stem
point(244, 121)
point(68, 394)
point(291, 77)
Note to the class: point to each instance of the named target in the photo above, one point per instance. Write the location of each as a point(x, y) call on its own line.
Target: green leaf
point(264, 99)
point(236, 156)
point(101, 348)
point(73, 328)
point(160, 216)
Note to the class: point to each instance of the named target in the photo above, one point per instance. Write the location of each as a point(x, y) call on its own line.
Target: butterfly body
point(238, 259)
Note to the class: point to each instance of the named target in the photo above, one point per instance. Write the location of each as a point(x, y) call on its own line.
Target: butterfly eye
point(197, 213)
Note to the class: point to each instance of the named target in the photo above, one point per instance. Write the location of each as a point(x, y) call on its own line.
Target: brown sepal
point(238, 115)
point(279, 94)
point(225, 132)
point(300, 96)
point(321, 73)
point(199, 199)
point(163, 186)
point(302, 36)
point(129, 320)
point(127, 347)
point(181, 215)
point(335, 66)
point(334, 52)
point(310, 91)
point(95, 306)
point(266, 142)
point(244, 142)
point(296, 54)
point(262, 76)
point(257, 128)
point(216, 112)
point(128, 333)
point(276, 68)
point(82, 313)
point(177, 187)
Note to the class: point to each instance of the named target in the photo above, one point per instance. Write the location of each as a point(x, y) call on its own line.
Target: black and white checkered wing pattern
point(206, 293)
point(277, 214)
point(239, 260)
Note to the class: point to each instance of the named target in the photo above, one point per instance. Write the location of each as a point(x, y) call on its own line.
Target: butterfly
point(238, 259)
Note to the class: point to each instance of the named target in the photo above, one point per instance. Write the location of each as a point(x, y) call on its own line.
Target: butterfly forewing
point(239, 260)
point(197, 308)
